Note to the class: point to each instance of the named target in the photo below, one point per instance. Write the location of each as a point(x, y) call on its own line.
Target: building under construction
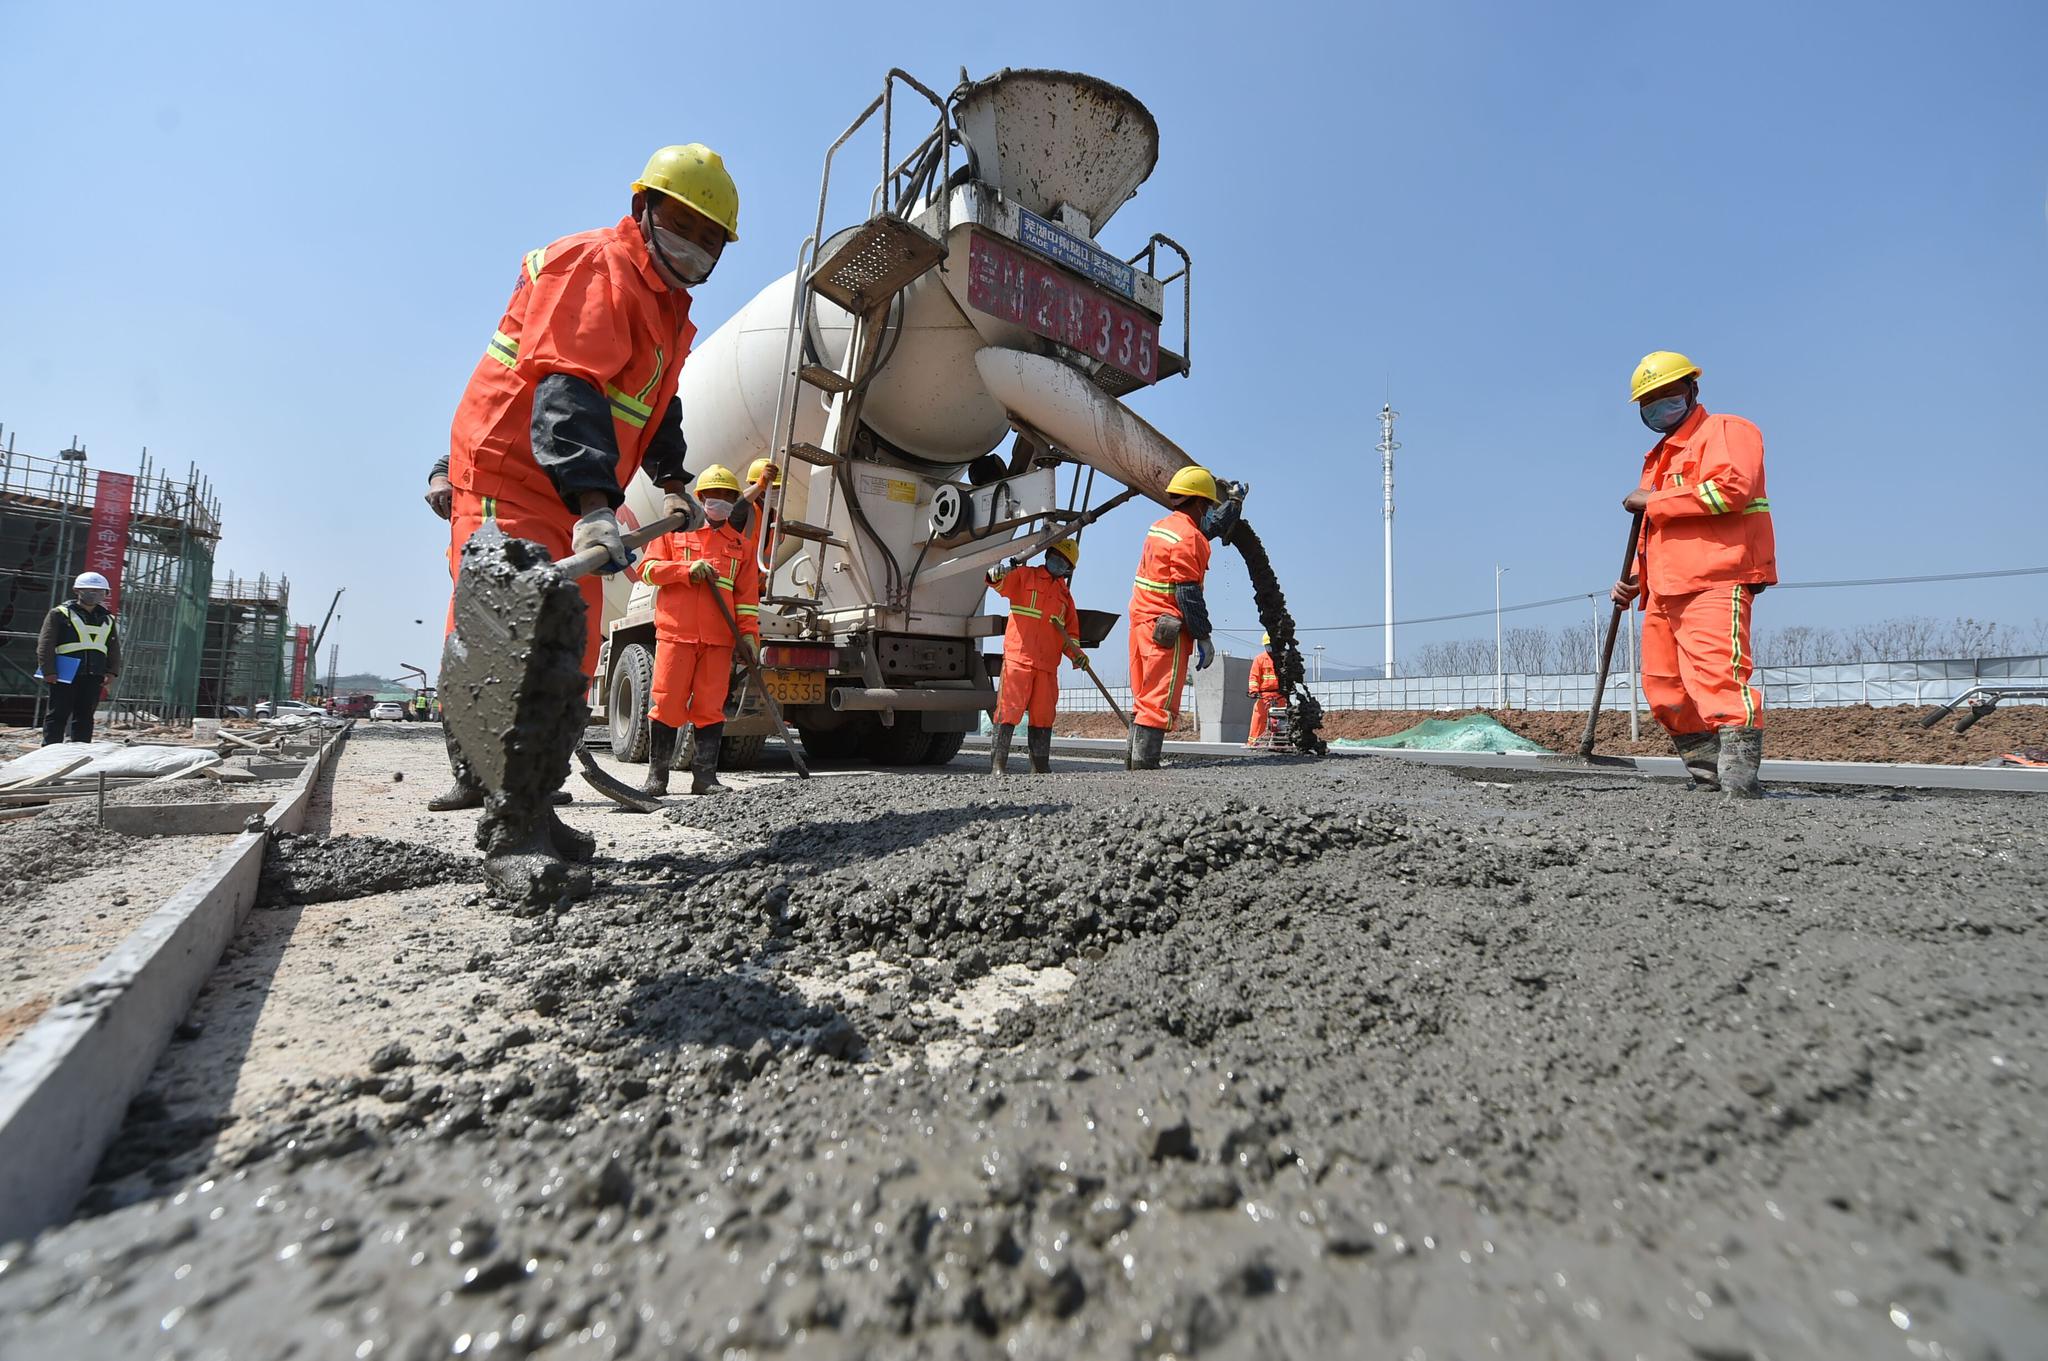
point(248, 629)
point(152, 532)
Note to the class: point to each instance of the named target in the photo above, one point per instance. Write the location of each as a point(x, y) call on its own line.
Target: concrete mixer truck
point(970, 306)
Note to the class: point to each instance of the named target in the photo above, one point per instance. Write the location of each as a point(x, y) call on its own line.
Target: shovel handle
point(1628, 561)
point(753, 661)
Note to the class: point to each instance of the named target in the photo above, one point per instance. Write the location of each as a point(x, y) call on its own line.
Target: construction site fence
point(1933, 681)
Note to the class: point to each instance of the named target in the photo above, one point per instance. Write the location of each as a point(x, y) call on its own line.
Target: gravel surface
point(1236, 1059)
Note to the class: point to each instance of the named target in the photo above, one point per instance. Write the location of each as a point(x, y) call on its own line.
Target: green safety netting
point(1474, 732)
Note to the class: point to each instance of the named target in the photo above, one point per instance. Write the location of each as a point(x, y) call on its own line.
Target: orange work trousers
point(1262, 715)
point(549, 529)
point(690, 683)
point(1696, 661)
point(1027, 689)
point(1158, 674)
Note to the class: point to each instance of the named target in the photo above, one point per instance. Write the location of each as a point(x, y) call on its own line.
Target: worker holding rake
point(1706, 551)
point(1040, 632)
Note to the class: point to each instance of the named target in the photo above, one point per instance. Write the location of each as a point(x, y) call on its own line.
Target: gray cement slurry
point(1341, 1060)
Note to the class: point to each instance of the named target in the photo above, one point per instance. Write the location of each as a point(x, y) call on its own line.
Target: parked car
point(390, 709)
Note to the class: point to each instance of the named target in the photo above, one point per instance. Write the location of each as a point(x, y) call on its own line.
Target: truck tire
point(741, 753)
point(842, 743)
point(945, 746)
point(903, 745)
point(631, 696)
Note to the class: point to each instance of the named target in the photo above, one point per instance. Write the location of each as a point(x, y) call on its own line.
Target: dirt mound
point(309, 869)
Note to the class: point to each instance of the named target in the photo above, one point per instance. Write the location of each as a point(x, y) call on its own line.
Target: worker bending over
point(1264, 688)
point(78, 649)
point(1169, 618)
point(708, 596)
point(1707, 551)
point(1040, 632)
point(576, 390)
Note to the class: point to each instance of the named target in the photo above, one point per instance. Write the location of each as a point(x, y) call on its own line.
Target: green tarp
point(1474, 732)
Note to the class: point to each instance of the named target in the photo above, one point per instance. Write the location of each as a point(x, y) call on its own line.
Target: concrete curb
point(66, 1083)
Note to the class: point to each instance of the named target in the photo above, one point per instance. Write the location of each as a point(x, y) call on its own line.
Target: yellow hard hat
point(717, 477)
point(1070, 549)
point(1193, 481)
point(762, 465)
point(694, 175)
point(1265, 640)
point(1658, 368)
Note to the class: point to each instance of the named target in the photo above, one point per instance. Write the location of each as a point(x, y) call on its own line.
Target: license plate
point(795, 687)
point(1005, 282)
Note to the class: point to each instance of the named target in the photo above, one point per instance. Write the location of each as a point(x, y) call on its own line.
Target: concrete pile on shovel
point(513, 696)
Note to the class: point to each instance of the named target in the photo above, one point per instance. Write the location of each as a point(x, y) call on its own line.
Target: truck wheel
point(903, 745)
point(945, 746)
point(741, 753)
point(632, 693)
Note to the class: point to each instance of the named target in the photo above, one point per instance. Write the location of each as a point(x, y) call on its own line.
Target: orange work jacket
point(1265, 678)
point(1042, 619)
point(1708, 522)
point(1175, 554)
point(590, 306)
point(684, 610)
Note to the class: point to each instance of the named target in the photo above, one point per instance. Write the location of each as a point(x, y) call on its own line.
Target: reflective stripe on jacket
point(1175, 553)
point(1708, 520)
point(684, 610)
point(590, 306)
point(1265, 678)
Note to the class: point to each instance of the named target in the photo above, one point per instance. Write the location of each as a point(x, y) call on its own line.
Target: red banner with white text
point(302, 643)
point(106, 546)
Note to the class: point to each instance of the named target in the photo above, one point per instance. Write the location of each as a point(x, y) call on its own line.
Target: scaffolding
point(46, 516)
point(248, 628)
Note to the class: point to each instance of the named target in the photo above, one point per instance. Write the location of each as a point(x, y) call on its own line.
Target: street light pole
point(1500, 675)
point(1319, 663)
point(1387, 447)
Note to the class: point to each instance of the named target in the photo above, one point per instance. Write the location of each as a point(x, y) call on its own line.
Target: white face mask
point(682, 257)
point(718, 512)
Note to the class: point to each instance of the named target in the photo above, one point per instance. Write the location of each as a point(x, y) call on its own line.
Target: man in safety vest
point(1040, 632)
point(707, 583)
point(77, 651)
point(1707, 551)
point(576, 390)
point(1169, 617)
point(1264, 688)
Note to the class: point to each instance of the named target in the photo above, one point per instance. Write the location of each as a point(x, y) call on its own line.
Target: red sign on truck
point(1005, 282)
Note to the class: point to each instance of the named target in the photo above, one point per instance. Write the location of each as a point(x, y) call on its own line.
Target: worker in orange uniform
point(1169, 618)
point(1707, 551)
point(702, 575)
point(576, 390)
point(1040, 632)
point(1264, 688)
point(754, 516)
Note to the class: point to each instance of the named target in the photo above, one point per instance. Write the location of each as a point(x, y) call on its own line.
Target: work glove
point(702, 571)
point(1166, 630)
point(1204, 654)
point(600, 529)
point(675, 503)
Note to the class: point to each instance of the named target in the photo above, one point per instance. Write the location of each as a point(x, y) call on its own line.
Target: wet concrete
point(1353, 1061)
point(1305, 711)
point(311, 869)
point(513, 687)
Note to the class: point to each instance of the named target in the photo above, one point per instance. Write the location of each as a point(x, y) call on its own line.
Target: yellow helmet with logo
point(1658, 368)
point(763, 465)
point(717, 477)
point(1070, 549)
point(1194, 481)
point(694, 175)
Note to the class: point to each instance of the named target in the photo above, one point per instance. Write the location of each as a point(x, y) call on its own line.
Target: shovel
point(512, 668)
point(1628, 562)
point(1107, 698)
point(796, 756)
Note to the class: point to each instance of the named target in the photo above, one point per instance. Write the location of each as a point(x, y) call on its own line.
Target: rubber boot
point(661, 758)
point(1701, 753)
point(999, 749)
point(1040, 741)
point(560, 797)
point(704, 762)
point(1742, 752)
point(1145, 746)
point(466, 791)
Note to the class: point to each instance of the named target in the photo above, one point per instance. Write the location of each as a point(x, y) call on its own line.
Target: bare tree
point(1577, 649)
point(1526, 651)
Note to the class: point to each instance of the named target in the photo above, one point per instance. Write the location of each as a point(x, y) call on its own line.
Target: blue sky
point(271, 239)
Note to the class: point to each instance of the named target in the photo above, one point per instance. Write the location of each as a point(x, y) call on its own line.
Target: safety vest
point(91, 637)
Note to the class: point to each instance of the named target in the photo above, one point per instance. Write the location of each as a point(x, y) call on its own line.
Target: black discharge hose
point(1306, 714)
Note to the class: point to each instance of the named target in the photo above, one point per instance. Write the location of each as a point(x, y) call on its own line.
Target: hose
point(1307, 717)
